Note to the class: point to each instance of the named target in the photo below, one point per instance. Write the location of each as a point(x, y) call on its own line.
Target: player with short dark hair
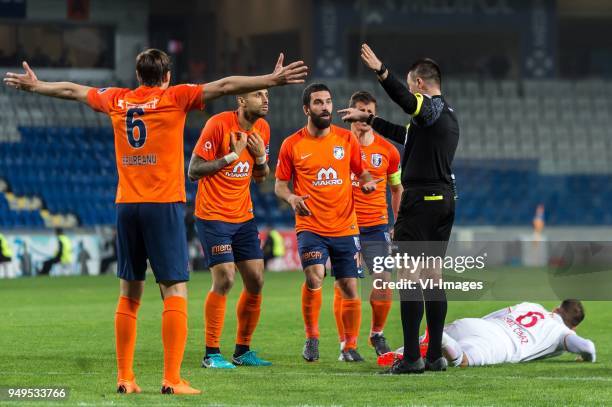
point(319, 159)
point(148, 125)
point(233, 148)
point(520, 333)
point(427, 209)
point(382, 160)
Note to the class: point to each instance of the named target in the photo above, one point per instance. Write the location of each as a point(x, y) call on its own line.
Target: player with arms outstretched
point(231, 150)
point(148, 126)
point(319, 159)
point(382, 160)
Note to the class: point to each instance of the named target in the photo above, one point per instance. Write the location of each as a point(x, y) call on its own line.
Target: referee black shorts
point(426, 214)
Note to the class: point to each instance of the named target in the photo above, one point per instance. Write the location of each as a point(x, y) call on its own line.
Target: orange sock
point(380, 300)
point(174, 336)
point(351, 318)
point(248, 310)
point(125, 336)
point(214, 311)
point(311, 308)
point(338, 312)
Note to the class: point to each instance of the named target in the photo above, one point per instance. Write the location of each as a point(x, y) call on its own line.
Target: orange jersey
point(382, 160)
point(321, 168)
point(148, 123)
point(225, 195)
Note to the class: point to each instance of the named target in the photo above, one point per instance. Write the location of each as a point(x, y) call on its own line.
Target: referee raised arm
point(427, 208)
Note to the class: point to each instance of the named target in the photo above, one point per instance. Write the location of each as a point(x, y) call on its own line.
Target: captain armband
point(395, 178)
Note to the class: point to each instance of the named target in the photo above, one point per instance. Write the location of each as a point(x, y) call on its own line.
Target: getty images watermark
point(405, 264)
point(519, 270)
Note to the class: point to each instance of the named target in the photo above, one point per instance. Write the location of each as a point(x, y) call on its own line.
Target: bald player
point(231, 151)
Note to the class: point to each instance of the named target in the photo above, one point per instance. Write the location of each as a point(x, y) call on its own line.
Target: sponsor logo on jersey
point(376, 160)
point(338, 152)
point(240, 170)
point(221, 249)
point(327, 176)
point(312, 255)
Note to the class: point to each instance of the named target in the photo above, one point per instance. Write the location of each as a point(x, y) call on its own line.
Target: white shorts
point(483, 342)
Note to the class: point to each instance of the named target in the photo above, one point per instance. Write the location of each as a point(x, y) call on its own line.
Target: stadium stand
point(521, 144)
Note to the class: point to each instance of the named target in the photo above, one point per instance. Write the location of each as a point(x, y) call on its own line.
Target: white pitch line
point(349, 374)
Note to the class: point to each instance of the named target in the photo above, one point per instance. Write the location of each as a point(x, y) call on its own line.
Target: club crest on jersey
point(376, 160)
point(338, 152)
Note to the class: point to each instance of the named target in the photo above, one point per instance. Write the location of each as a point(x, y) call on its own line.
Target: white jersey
point(520, 333)
point(533, 331)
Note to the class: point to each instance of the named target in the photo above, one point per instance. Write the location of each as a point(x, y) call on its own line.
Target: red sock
point(174, 336)
point(381, 305)
point(214, 311)
point(311, 308)
point(248, 310)
point(351, 318)
point(125, 336)
point(338, 312)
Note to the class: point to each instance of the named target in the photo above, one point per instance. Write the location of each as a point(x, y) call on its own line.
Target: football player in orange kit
point(382, 160)
point(232, 148)
point(148, 126)
point(319, 159)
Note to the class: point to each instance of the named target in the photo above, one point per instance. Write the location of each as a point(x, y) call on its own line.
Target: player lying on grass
point(231, 150)
point(520, 333)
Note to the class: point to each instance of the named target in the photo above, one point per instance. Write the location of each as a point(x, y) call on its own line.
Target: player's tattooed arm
point(297, 203)
point(199, 167)
point(29, 82)
point(294, 73)
point(257, 149)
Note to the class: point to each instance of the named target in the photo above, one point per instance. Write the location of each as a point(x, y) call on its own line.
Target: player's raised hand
point(351, 114)
point(369, 58)
point(370, 186)
point(256, 146)
point(238, 142)
point(298, 205)
point(293, 73)
point(24, 81)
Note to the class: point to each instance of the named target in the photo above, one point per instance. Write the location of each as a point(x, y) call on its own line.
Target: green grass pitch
point(59, 332)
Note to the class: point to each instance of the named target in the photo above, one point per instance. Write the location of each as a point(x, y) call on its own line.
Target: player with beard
point(233, 147)
point(319, 159)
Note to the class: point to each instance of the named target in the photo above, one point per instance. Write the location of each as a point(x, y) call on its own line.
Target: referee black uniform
point(427, 208)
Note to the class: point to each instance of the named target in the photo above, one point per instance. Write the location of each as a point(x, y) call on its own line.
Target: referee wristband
point(260, 160)
point(370, 119)
point(382, 70)
point(231, 157)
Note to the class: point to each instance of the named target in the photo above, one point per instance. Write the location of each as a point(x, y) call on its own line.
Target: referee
point(427, 208)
